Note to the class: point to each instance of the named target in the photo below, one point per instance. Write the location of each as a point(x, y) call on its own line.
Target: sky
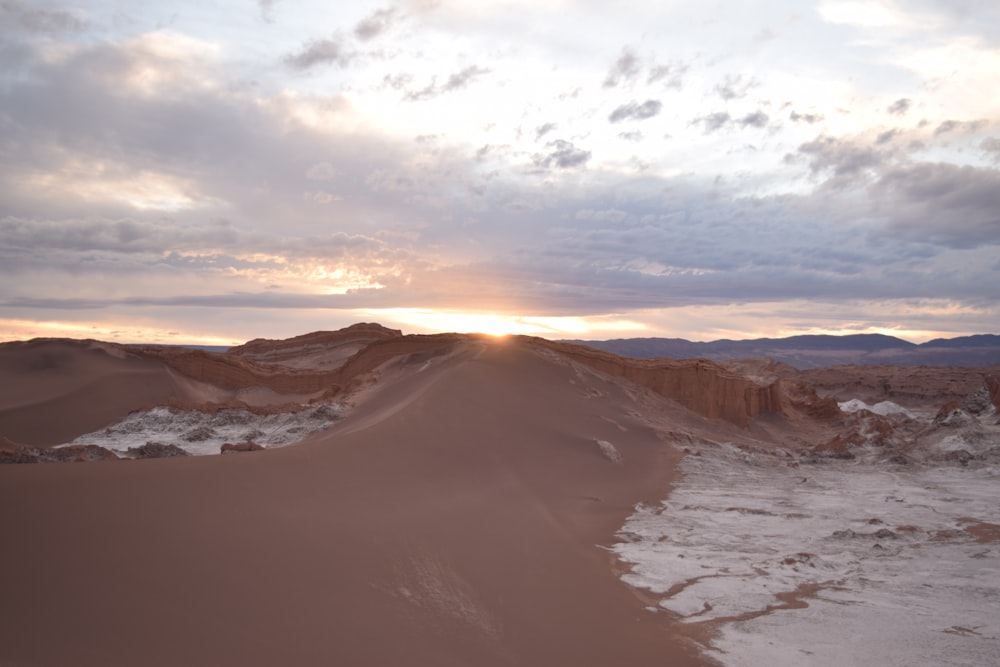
point(220, 170)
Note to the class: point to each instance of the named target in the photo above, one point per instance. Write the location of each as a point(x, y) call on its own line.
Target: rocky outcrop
point(993, 387)
point(264, 349)
point(155, 450)
point(704, 386)
point(231, 372)
point(230, 448)
point(12, 452)
point(866, 430)
point(911, 387)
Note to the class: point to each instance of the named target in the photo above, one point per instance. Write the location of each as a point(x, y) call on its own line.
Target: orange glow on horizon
point(495, 324)
point(18, 330)
point(694, 324)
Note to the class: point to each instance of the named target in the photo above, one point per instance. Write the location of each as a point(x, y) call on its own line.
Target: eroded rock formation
point(12, 452)
point(230, 448)
point(271, 351)
point(229, 371)
point(706, 387)
point(993, 387)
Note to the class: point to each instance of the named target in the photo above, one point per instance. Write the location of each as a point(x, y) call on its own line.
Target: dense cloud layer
point(416, 156)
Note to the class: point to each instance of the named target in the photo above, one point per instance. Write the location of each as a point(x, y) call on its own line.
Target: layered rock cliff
point(232, 372)
point(704, 386)
point(993, 387)
point(292, 350)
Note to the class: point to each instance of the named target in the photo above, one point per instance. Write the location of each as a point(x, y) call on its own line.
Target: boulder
point(230, 448)
point(156, 450)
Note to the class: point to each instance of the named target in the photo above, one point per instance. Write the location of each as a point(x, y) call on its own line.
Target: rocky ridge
point(706, 387)
point(744, 394)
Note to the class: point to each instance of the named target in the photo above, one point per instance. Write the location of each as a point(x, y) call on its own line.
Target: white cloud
point(871, 14)
point(957, 71)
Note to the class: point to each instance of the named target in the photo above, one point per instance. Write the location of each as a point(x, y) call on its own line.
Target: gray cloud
point(396, 81)
point(40, 20)
point(714, 121)
point(630, 136)
point(810, 118)
point(756, 119)
point(611, 258)
point(376, 24)
point(625, 68)
point(564, 155)
point(672, 74)
point(215, 151)
point(953, 126)
point(847, 160)
point(991, 145)
point(320, 52)
point(617, 254)
point(735, 86)
point(636, 111)
point(946, 204)
point(900, 106)
point(163, 239)
point(123, 236)
point(266, 8)
point(463, 78)
point(946, 126)
point(544, 129)
point(455, 81)
point(887, 136)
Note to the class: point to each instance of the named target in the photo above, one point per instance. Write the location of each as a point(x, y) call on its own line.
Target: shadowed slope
point(53, 390)
point(452, 519)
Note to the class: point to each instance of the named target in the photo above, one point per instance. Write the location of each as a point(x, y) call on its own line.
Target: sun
point(426, 320)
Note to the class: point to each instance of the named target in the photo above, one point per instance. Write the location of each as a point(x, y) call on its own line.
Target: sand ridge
point(461, 528)
point(53, 390)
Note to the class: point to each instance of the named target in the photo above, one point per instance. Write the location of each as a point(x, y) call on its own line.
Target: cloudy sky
point(220, 170)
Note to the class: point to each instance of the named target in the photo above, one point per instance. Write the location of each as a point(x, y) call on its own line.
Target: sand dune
point(53, 390)
point(453, 518)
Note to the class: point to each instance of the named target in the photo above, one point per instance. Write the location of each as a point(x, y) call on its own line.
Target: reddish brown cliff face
point(276, 351)
point(704, 386)
point(228, 371)
point(993, 386)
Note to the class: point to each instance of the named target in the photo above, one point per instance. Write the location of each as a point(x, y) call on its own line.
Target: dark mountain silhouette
point(817, 351)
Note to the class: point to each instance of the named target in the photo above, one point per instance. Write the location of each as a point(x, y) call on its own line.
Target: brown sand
point(454, 518)
point(54, 390)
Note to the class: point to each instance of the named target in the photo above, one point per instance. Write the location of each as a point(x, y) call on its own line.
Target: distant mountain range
point(804, 352)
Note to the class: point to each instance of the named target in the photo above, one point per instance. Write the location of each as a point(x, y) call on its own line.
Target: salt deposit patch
point(610, 451)
point(201, 433)
point(883, 408)
point(886, 567)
